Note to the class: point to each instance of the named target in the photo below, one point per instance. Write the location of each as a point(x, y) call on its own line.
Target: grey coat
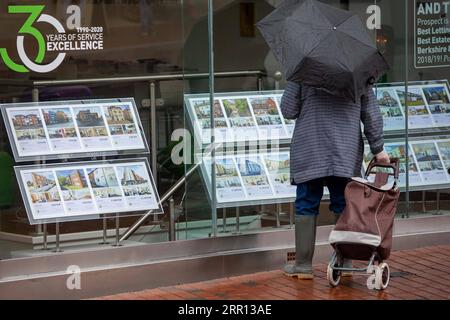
point(327, 138)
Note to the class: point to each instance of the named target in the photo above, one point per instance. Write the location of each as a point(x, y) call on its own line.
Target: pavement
point(419, 274)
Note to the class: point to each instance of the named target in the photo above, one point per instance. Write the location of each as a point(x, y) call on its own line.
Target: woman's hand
point(383, 157)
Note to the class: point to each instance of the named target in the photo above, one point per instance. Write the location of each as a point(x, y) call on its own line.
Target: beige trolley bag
point(364, 230)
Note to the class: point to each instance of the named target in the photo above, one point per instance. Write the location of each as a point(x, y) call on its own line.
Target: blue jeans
point(309, 195)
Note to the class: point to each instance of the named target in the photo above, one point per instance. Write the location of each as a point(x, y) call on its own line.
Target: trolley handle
point(394, 165)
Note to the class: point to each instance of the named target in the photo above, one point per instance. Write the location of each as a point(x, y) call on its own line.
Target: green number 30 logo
point(35, 15)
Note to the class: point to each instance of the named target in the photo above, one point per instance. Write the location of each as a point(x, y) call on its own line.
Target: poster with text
point(92, 127)
point(240, 118)
point(137, 187)
point(105, 185)
point(398, 150)
point(28, 131)
point(254, 177)
point(418, 114)
point(390, 108)
point(61, 129)
point(444, 149)
point(202, 112)
point(123, 126)
point(42, 193)
point(289, 123)
point(278, 167)
point(228, 184)
point(68, 192)
point(430, 164)
point(75, 191)
point(268, 117)
point(53, 130)
point(437, 97)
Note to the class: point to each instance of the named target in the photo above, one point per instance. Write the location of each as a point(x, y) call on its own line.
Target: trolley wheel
point(333, 276)
point(382, 276)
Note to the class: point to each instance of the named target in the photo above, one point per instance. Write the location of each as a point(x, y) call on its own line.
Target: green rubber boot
point(305, 241)
point(347, 262)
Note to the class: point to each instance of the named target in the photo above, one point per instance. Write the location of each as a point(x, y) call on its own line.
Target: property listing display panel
point(428, 105)
point(428, 161)
point(265, 176)
point(256, 176)
point(254, 117)
point(89, 188)
point(43, 130)
point(240, 118)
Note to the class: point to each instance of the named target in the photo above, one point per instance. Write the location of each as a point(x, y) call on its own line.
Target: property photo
point(59, 123)
point(120, 119)
point(414, 96)
point(27, 124)
point(427, 157)
point(436, 95)
point(134, 180)
point(90, 122)
point(227, 174)
point(42, 187)
point(238, 112)
point(104, 182)
point(73, 185)
point(387, 98)
point(266, 111)
point(252, 172)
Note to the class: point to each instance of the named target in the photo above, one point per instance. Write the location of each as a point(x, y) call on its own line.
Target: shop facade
point(184, 65)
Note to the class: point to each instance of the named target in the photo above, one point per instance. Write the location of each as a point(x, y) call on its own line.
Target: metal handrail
point(166, 77)
point(166, 196)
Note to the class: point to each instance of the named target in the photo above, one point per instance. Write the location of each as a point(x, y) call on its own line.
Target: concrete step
point(137, 266)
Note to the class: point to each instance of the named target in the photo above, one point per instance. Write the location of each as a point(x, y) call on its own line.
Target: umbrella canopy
point(323, 47)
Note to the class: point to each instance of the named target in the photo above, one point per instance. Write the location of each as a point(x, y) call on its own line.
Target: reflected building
point(87, 117)
point(250, 168)
point(130, 177)
point(73, 178)
point(102, 177)
point(21, 120)
point(264, 106)
point(40, 181)
point(119, 114)
point(55, 117)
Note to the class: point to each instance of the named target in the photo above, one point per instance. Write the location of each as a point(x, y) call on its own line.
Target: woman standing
point(327, 150)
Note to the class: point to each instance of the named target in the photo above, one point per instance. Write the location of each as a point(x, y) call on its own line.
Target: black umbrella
point(323, 47)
